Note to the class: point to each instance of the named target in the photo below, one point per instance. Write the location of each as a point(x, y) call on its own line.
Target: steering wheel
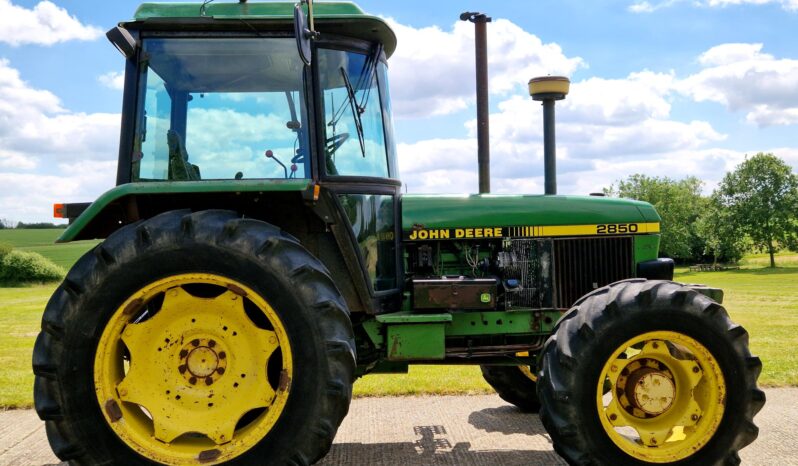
point(335, 142)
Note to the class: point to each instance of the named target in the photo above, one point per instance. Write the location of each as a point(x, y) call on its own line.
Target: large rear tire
point(649, 372)
point(193, 338)
point(515, 385)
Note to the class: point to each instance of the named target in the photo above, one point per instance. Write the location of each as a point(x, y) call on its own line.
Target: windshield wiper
point(357, 110)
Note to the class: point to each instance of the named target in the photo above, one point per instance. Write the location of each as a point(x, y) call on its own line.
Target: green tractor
point(258, 257)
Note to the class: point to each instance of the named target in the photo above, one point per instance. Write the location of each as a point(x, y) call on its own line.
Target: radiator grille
point(584, 264)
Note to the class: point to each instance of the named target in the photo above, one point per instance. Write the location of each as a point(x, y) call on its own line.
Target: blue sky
point(669, 88)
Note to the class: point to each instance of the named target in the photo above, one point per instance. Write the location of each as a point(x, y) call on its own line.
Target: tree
point(722, 239)
point(678, 202)
point(761, 195)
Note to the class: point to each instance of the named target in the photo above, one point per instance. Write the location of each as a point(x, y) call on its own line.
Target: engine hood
point(575, 215)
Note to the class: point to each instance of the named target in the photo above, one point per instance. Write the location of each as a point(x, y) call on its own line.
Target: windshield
point(220, 109)
point(357, 126)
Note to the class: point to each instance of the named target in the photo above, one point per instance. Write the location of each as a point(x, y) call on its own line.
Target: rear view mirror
point(123, 41)
point(303, 34)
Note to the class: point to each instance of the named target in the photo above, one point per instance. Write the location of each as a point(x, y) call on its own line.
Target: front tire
point(649, 372)
point(195, 337)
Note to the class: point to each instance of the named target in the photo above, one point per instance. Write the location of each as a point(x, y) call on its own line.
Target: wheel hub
point(646, 388)
point(202, 360)
point(653, 391)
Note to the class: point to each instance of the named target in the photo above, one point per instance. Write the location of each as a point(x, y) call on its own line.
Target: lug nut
point(195, 342)
point(696, 369)
point(613, 417)
point(694, 417)
point(220, 370)
point(183, 354)
point(211, 343)
point(209, 381)
point(182, 368)
point(222, 355)
point(192, 381)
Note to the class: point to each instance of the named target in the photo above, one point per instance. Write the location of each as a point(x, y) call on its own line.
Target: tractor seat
point(179, 167)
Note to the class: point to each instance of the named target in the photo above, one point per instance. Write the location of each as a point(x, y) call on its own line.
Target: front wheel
point(195, 338)
point(649, 372)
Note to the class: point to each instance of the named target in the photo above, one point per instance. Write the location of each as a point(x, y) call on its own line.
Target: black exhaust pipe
point(549, 89)
point(481, 21)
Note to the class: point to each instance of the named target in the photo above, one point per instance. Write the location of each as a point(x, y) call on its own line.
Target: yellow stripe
point(532, 231)
point(596, 230)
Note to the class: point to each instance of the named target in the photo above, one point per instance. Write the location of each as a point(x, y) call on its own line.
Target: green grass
point(43, 242)
point(20, 316)
point(783, 259)
point(425, 380)
point(765, 301)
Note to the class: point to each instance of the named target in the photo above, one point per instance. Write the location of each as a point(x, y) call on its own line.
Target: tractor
point(258, 257)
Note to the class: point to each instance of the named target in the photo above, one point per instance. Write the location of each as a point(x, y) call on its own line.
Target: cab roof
point(344, 18)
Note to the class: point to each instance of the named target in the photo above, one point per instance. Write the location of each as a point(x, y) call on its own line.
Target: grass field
point(20, 314)
point(43, 242)
point(763, 300)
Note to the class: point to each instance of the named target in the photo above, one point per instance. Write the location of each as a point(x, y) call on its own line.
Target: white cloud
point(438, 79)
point(44, 24)
point(49, 154)
point(113, 80)
point(791, 5)
point(743, 78)
point(648, 7)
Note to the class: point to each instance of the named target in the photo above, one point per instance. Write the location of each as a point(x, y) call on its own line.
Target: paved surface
point(451, 430)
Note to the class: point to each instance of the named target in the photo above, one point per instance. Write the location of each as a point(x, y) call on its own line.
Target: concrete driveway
point(444, 430)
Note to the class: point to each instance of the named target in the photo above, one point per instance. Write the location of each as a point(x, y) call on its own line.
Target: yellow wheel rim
point(193, 368)
point(661, 397)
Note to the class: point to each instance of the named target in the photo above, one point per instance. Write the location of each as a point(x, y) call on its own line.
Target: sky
point(670, 88)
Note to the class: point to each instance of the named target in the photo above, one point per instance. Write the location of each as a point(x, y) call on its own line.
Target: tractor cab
point(233, 108)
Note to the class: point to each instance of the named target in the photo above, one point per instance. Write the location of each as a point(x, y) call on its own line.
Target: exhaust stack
point(480, 21)
point(549, 89)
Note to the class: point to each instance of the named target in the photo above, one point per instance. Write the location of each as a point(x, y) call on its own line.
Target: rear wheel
point(649, 372)
point(514, 384)
point(195, 338)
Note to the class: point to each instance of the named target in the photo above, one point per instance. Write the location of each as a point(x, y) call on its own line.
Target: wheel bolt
point(696, 369)
point(222, 355)
point(182, 369)
point(211, 343)
point(220, 370)
point(613, 417)
point(192, 381)
point(183, 354)
point(694, 417)
point(655, 345)
point(195, 342)
point(209, 381)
